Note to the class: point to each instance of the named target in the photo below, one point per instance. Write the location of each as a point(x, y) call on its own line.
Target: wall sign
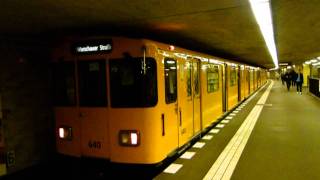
point(92, 47)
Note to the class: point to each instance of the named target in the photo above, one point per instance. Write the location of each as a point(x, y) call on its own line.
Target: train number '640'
point(94, 144)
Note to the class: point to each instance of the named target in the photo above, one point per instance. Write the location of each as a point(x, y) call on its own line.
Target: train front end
point(106, 96)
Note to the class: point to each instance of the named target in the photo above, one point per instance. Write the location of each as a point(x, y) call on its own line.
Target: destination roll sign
point(92, 47)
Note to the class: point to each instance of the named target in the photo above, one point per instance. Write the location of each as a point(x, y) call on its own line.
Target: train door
point(240, 94)
point(242, 83)
point(232, 86)
point(258, 78)
point(185, 101)
point(196, 96)
point(189, 99)
point(247, 82)
point(66, 109)
point(224, 88)
point(92, 88)
point(251, 80)
point(170, 116)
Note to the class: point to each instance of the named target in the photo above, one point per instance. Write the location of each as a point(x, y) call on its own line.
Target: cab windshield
point(133, 82)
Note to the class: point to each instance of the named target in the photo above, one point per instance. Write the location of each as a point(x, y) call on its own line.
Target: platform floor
point(280, 142)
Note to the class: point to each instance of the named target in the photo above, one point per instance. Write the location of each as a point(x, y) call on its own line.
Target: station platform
point(274, 134)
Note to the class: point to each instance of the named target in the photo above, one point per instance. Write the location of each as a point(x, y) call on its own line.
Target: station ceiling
point(224, 28)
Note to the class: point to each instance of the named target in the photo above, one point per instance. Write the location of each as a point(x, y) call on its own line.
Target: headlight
point(129, 137)
point(65, 133)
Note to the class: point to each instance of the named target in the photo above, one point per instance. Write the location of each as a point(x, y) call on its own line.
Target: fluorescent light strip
point(262, 12)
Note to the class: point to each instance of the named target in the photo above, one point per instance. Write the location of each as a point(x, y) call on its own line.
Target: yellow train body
point(189, 96)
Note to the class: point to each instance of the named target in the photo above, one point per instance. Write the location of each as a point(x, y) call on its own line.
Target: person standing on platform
point(288, 80)
point(299, 82)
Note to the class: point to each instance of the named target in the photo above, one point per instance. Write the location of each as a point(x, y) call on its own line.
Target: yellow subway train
point(138, 101)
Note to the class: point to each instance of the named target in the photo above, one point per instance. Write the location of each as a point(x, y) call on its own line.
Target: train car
point(139, 101)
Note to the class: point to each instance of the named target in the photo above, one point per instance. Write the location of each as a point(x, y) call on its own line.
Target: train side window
point(233, 76)
point(196, 77)
point(170, 71)
point(92, 83)
point(212, 78)
point(188, 81)
point(64, 84)
point(131, 85)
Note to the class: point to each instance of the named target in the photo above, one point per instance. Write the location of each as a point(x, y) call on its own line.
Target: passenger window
point(92, 83)
point(233, 76)
point(188, 70)
point(64, 84)
point(170, 71)
point(196, 77)
point(212, 78)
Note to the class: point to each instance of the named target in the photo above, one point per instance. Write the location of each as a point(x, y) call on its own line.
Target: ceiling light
point(262, 12)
